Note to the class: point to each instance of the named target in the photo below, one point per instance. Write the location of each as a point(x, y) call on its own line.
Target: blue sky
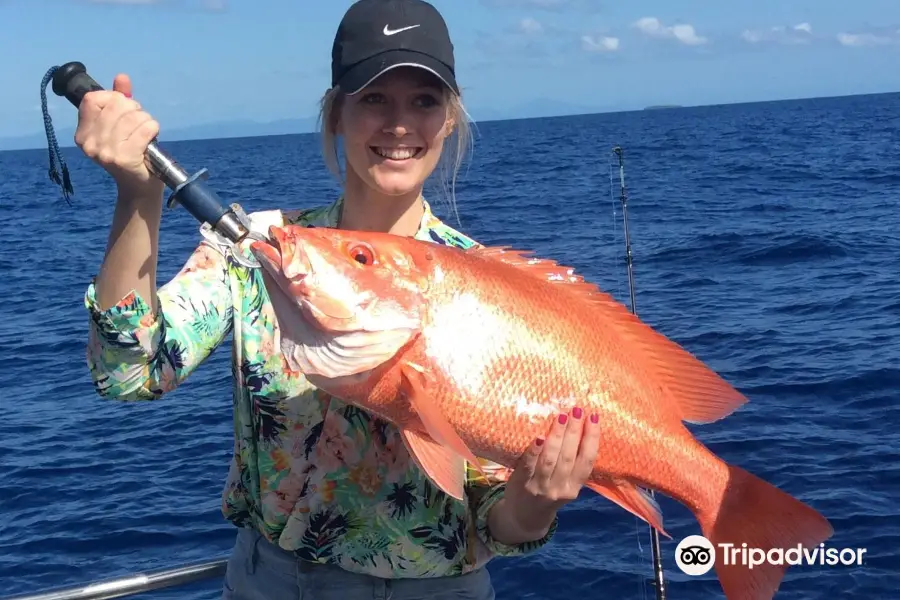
point(201, 61)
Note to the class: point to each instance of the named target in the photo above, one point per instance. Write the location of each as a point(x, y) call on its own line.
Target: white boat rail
point(131, 585)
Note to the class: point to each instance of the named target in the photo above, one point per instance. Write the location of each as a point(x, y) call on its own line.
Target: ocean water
point(765, 240)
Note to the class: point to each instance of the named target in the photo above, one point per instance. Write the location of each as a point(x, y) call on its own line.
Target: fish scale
point(473, 353)
point(542, 365)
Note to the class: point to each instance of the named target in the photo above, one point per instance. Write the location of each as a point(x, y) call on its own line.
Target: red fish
point(473, 353)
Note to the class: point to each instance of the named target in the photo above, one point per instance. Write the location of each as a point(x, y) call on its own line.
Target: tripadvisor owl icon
point(695, 555)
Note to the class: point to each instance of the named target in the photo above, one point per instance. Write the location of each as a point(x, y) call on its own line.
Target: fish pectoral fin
point(436, 424)
point(441, 464)
point(631, 498)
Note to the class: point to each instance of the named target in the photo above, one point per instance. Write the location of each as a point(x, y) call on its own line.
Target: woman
point(326, 499)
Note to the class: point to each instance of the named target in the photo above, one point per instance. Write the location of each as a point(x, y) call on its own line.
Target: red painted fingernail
point(562, 419)
point(539, 442)
point(127, 94)
point(595, 418)
point(576, 412)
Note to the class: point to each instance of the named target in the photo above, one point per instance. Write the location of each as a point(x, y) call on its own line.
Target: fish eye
point(362, 254)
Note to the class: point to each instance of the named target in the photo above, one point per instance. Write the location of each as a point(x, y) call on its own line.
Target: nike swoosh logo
point(389, 31)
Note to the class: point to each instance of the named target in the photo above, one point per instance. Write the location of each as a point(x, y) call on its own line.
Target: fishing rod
point(659, 581)
point(72, 82)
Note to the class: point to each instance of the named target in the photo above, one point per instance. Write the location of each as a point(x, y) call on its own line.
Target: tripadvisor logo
point(695, 555)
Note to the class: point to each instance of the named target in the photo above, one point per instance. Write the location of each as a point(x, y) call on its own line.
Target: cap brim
point(367, 71)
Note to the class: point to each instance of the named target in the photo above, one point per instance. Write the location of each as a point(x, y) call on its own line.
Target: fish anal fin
point(699, 393)
point(631, 498)
point(441, 464)
point(415, 383)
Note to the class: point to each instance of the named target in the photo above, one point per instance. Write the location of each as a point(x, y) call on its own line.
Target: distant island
point(662, 106)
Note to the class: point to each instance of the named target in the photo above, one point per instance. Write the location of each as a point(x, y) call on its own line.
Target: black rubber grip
point(200, 201)
point(72, 81)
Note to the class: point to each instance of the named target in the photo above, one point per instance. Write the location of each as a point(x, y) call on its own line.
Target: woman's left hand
point(551, 473)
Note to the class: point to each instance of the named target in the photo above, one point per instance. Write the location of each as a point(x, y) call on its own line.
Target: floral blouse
point(314, 475)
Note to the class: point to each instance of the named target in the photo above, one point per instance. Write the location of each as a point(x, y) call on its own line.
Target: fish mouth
point(278, 258)
point(283, 257)
point(286, 261)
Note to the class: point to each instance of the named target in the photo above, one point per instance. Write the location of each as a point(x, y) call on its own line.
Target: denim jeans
point(259, 570)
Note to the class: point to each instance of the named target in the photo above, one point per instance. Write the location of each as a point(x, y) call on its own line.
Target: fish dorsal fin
point(543, 268)
point(699, 393)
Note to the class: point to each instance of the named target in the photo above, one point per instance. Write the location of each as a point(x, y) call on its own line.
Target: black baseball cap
point(376, 36)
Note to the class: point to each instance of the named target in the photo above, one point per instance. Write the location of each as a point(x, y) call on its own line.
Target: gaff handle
point(72, 82)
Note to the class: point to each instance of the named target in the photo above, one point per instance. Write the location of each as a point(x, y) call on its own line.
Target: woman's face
point(394, 130)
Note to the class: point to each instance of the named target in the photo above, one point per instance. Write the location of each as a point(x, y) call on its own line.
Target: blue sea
point(765, 240)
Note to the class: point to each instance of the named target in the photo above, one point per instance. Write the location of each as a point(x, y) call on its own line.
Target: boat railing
point(131, 585)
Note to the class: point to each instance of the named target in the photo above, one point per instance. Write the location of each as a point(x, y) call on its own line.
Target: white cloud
point(599, 44)
point(801, 33)
point(683, 33)
point(867, 39)
point(530, 26)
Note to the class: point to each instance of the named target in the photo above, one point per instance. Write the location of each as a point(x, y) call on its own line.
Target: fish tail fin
point(756, 513)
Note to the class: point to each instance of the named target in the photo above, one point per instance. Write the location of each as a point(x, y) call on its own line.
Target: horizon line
point(649, 107)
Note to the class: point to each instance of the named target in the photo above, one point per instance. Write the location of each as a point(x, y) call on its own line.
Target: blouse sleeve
point(134, 354)
point(484, 493)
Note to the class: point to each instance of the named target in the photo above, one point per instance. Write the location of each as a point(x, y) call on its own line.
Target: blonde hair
point(450, 163)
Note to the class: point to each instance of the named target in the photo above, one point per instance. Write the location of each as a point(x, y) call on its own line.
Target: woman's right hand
point(114, 132)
